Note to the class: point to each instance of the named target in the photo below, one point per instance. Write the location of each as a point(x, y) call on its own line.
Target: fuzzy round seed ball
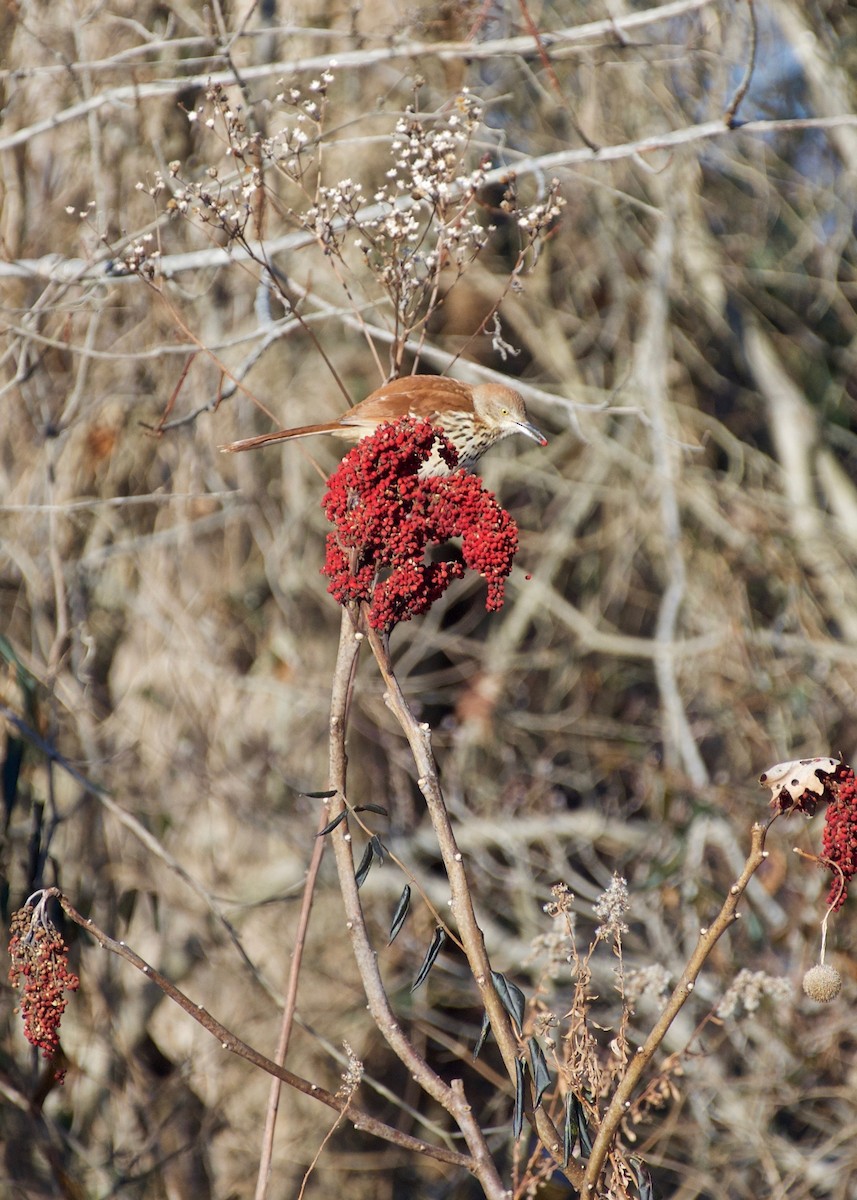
point(822, 983)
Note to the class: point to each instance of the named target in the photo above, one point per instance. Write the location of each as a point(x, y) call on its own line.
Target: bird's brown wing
point(420, 395)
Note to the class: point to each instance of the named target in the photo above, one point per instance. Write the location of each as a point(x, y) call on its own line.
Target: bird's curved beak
point(531, 431)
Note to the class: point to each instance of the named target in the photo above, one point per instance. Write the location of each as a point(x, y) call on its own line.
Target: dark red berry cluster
point(387, 515)
point(40, 967)
point(839, 840)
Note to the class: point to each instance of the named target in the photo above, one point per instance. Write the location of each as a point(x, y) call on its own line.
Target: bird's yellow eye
point(504, 411)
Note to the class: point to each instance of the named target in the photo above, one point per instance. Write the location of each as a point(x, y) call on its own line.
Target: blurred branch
point(96, 502)
point(831, 82)
point(618, 645)
point(234, 1045)
point(555, 40)
point(651, 369)
point(794, 432)
point(741, 90)
point(141, 833)
point(57, 269)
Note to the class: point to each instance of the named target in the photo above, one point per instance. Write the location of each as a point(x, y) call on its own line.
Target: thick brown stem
point(452, 1098)
point(419, 740)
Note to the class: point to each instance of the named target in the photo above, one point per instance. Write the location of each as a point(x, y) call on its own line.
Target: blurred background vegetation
point(683, 613)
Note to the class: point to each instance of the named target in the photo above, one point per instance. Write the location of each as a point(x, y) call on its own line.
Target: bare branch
point(235, 1045)
point(708, 939)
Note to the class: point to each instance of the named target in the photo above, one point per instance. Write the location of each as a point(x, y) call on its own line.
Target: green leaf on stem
point(429, 960)
point(331, 825)
point(585, 1139)
point(571, 1128)
point(402, 910)
point(372, 808)
point(511, 997)
point(365, 863)
point(644, 1179)
point(483, 1034)
point(319, 795)
point(520, 1097)
point(541, 1074)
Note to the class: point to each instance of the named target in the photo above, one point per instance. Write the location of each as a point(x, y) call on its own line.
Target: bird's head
point(503, 410)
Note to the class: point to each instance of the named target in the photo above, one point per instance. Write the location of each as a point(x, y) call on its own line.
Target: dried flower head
point(611, 908)
point(40, 968)
point(653, 980)
point(352, 1075)
point(562, 902)
point(748, 989)
point(387, 516)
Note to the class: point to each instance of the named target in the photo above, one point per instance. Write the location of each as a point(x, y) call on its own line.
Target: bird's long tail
point(279, 435)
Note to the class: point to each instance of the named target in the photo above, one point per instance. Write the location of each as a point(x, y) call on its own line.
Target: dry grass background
point(683, 614)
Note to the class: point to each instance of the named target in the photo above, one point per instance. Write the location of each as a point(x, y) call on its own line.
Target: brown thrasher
point(472, 417)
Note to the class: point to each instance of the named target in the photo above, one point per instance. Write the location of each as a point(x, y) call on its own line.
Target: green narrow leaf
point(365, 863)
point(644, 1179)
point(319, 795)
point(10, 771)
point(429, 960)
point(585, 1139)
point(570, 1130)
point(520, 1083)
point(511, 997)
point(402, 910)
point(331, 825)
point(379, 849)
point(541, 1074)
point(373, 808)
point(483, 1034)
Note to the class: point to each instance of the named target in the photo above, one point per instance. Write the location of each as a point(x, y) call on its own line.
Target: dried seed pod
point(822, 983)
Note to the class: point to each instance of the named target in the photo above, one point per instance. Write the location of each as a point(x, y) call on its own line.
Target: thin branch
point(263, 1176)
point(228, 1041)
point(67, 270)
point(741, 90)
point(556, 40)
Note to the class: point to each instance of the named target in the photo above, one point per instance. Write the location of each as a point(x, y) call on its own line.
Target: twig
point(741, 90)
point(708, 938)
point(263, 1177)
point(228, 1041)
